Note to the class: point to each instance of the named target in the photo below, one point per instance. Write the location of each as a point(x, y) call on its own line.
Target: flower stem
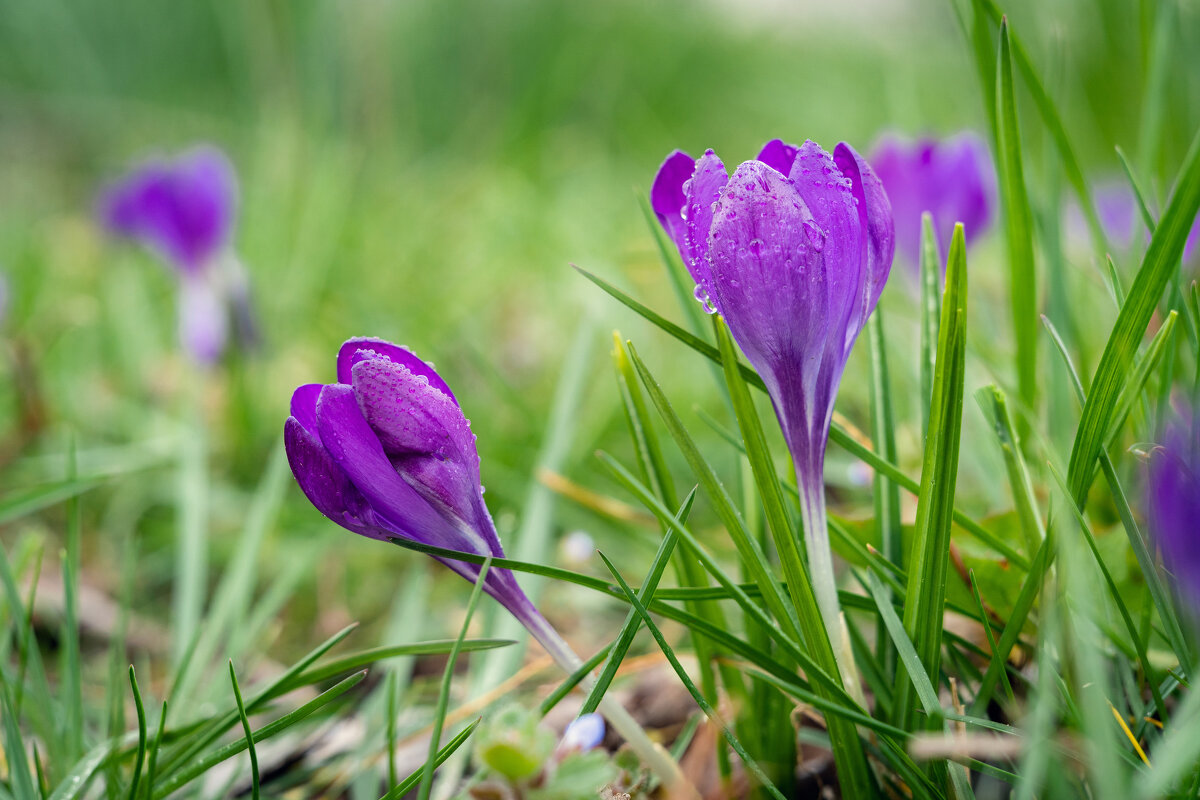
point(820, 556)
point(652, 754)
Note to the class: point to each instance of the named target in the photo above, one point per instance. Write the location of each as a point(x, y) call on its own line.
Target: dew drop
point(816, 236)
point(706, 303)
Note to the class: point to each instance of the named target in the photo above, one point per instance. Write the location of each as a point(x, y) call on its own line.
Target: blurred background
point(426, 172)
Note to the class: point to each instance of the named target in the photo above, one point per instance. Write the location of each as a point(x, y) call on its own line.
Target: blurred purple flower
point(1120, 217)
point(1173, 504)
point(952, 178)
point(183, 209)
point(793, 251)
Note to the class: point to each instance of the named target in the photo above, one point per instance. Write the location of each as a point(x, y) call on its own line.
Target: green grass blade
point(198, 767)
point(750, 764)
point(632, 620)
point(655, 470)
point(191, 555)
point(925, 598)
point(837, 434)
point(995, 406)
point(365, 658)
point(748, 550)
point(140, 760)
point(574, 679)
point(405, 786)
point(241, 709)
point(1159, 264)
point(69, 660)
point(681, 281)
point(1130, 627)
point(209, 732)
point(913, 667)
point(991, 638)
point(19, 777)
point(443, 703)
point(931, 312)
point(28, 501)
point(1054, 125)
point(152, 767)
point(1018, 225)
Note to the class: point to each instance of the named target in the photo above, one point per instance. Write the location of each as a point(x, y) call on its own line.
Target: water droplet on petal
point(706, 303)
point(816, 236)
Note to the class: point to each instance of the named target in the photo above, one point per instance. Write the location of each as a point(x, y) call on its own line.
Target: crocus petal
point(767, 270)
point(827, 194)
point(779, 155)
point(365, 347)
point(203, 320)
point(355, 448)
point(667, 198)
point(325, 484)
point(875, 215)
point(703, 190)
point(304, 405)
point(1174, 505)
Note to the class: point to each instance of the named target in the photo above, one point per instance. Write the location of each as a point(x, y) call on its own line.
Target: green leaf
point(69, 663)
point(924, 605)
point(1159, 264)
point(27, 501)
point(1022, 274)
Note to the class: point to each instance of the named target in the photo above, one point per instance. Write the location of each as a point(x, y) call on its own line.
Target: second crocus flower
point(952, 179)
point(793, 251)
point(183, 209)
point(1173, 506)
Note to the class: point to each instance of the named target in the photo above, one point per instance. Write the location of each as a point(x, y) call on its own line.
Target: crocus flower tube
point(386, 452)
point(952, 178)
point(183, 210)
point(1173, 506)
point(793, 251)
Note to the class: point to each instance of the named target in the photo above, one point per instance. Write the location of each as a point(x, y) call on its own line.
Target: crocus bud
point(793, 251)
point(183, 210)
point(386, 452)
point(1173, 505)
point(952, 178)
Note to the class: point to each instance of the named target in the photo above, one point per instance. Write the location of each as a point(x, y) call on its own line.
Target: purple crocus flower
point(1120, 217)
point(386, 452)
point(183, 210)
point(1173, 504)
point(952, 178)
point(793, 251)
